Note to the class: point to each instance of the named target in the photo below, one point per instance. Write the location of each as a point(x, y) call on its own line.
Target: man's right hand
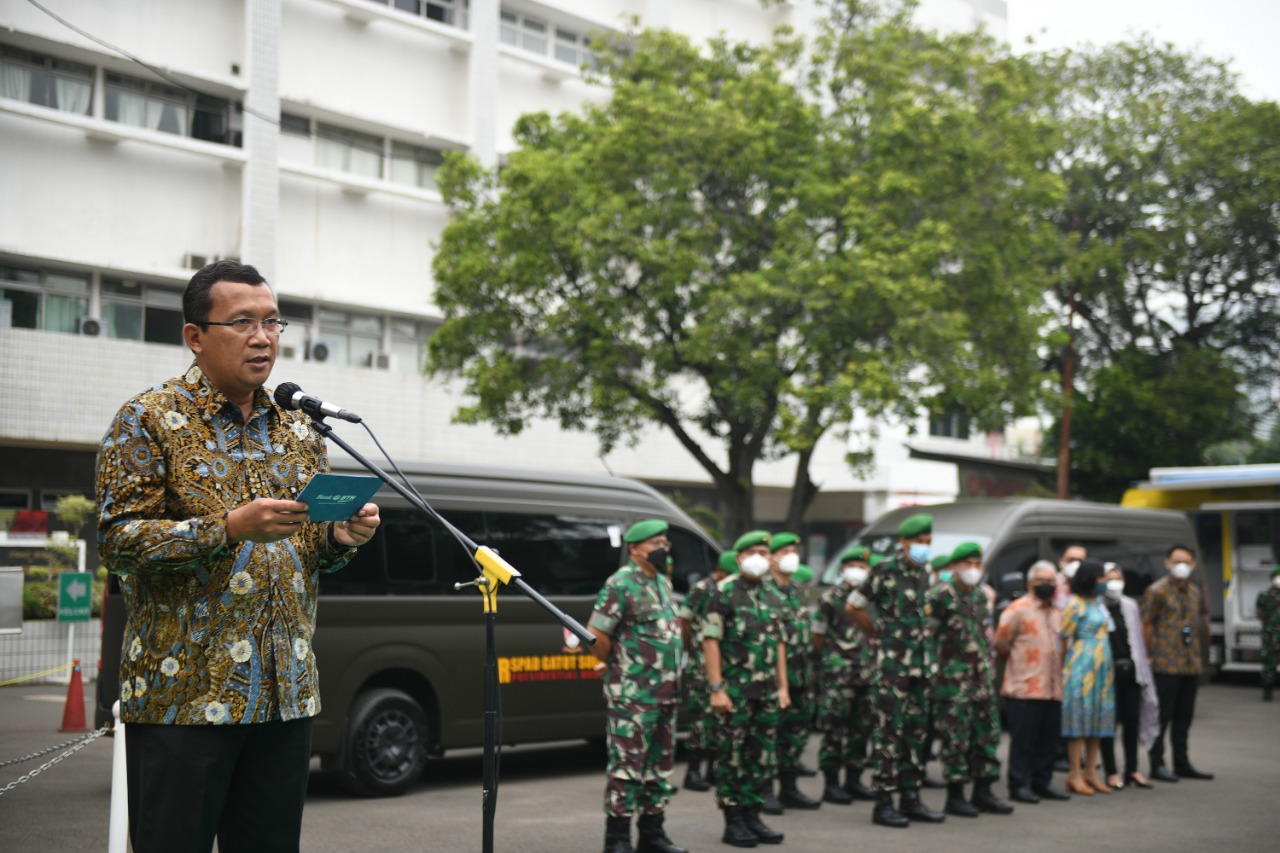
point(265, 520)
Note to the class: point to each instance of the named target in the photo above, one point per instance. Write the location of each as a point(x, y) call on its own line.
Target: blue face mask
point(920, 553)
point(945, 577)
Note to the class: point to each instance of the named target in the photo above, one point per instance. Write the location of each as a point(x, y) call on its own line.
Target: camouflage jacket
point(848, 655)
point(694, 611)
point(743, 616)
point(638, 613)
point(964, 651)
point(898, 593)
point(793, 618)
point(1268, 610)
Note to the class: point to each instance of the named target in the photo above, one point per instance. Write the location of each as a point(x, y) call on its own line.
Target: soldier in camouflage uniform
point(638, 638)
point(795, 724)
point(1268, 612)
point(845, 672)
point(694, 709)
point(964, 689)
point(747, 671)
point(896, 595)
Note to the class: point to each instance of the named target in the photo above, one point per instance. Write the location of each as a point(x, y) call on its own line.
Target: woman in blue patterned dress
point(1088, 680)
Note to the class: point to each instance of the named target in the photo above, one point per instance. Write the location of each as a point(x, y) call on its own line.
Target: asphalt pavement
point(550, 799)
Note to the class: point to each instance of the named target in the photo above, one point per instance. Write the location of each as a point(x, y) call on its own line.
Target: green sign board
point(75, 596)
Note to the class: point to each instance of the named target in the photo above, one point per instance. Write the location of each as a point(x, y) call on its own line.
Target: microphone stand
point(495, 573)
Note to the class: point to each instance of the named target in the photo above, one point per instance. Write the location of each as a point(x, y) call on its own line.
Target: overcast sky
point(1247, 32)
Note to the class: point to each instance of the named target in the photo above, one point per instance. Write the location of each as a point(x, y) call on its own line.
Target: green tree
point(1172, 223)
point(712, 252)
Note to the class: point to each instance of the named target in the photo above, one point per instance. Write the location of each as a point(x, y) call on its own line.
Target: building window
point(451, 12)
point(349, 151)
point(169, 109)
point(137, 311)
point(349, 338)
point(45, 81)
point(294, 125)
point(409, 344)
point(574, 49)
point(414, 165)
point(523, 31)
point(953, 425)
point(42, 299)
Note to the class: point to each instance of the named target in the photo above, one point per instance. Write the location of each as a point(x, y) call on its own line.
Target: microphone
point(290, 396)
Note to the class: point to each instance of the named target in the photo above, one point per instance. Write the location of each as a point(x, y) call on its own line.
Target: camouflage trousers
point(642, 746)
point(1270, 657)
point(795, 725)
point(970, 734)
point(902, 726)
point(846, 720)
point(695, 709)
point(744, 744)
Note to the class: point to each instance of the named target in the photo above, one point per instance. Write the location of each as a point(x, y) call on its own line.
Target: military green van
point(401, 652)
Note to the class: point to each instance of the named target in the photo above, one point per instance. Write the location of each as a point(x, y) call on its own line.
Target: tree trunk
point(740, 510)
point(803, 492)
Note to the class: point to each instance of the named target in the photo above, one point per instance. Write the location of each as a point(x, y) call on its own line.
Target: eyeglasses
point(247, 325)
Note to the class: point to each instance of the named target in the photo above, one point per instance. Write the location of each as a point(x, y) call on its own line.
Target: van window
point(1014, 559)
point(556, 554)
point(1140, 560)
point(411, 555)
point(694, 558)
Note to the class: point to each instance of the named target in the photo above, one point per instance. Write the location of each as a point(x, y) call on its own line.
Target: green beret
point(750, 539)
point(916, 525)
point(643, 530)
point(728, 562)
point(876, 559)
point(965, 550)
point(802, 574)
point(781, 540)
point(941, 561)
point(1275, 571)
point(859, 552)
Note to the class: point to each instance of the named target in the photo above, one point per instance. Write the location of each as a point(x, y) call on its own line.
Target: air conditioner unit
point(288, 353)
point(320, 350)
point(90, 326)
point(194, 261)
point(379, 360)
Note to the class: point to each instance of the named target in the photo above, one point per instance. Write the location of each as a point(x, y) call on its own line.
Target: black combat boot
point(909, 804)
point(986, 800)
point(710, 774)
point(617, 835)
point(653, 838)
point(693, 779)
point(956, 803)
point(768, 802)
point(1266, 693)
point(805, 770)
point(833, 793)
point(765, 835)
point(853, 784)
point(886, 815)
point(736, 832)
point(790, 795)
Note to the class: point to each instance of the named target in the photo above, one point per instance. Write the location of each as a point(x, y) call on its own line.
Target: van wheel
point(386, 745)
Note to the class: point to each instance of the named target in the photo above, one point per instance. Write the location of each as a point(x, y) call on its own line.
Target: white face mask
point(971, 577)
point(1181, 571)
point(856, 576)
point(1070, 569)
point(788, 563)
point(754, 565)
point(1275, 581)
point(1115, 589)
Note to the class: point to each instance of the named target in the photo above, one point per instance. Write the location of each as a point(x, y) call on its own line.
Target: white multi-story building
point(141, 138)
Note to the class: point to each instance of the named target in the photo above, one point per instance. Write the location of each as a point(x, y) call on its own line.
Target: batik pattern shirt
point(217, 633)
point(1030, 635)
point(1169, 610)
point(638, 614)
point(964, 656)
point(743, 616)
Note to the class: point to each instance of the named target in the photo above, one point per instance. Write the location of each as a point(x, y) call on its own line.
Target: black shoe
point(1266, 693)
point(833, 792)
point(1187, 771)
point(911, 806)
point(885, 814)
point(932, 782)
point(956, 803)
point(769, 804)
point(790, 795)
point(804, 770)
point(1023, 794)
point(853, 785)
point(1060, 765)
point(653, 838)
point(693, 778)
point(710, 775)
point(736, 832)
point(1048, 792)
point(617, 835)
point(985, 800)
point(1133, 780)
point(1163, 774)
point(765, 835)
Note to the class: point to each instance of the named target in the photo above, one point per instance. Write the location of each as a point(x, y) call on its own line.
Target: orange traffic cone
point(73, 714)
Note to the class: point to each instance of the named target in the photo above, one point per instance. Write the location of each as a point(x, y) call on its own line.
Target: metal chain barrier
point(79, 744)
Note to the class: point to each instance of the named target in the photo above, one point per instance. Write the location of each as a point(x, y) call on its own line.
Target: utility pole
point(1064, 431)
